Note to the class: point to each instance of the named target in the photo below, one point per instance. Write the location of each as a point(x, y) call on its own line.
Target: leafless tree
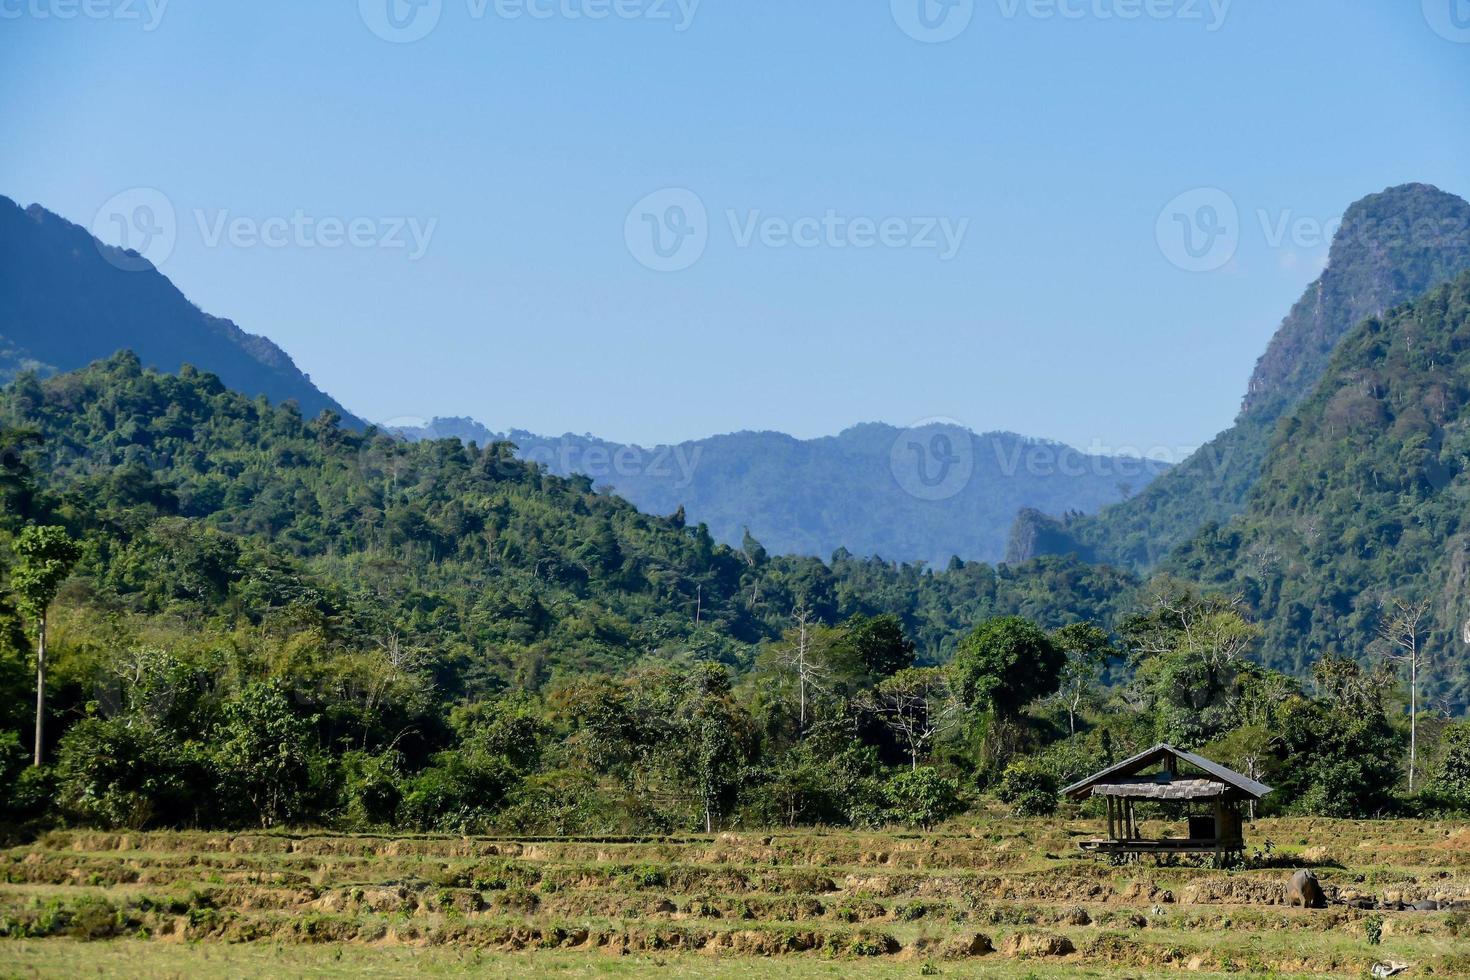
point(919, 705)
point(801, 659)
point(1402, 630)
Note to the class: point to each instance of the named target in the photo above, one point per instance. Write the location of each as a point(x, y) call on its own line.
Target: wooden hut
point(1212, 795)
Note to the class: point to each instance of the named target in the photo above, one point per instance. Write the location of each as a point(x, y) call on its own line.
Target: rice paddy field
point(993, 898)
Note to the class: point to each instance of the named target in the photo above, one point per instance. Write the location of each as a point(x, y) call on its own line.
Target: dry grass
point(803, 903)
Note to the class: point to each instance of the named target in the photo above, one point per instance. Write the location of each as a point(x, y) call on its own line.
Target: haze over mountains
point(67, 300)
point(928, 493)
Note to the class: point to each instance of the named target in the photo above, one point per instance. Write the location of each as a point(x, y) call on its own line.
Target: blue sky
point(1049, 138)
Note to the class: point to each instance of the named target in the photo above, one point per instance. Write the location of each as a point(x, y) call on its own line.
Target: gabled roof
point(1141, 761)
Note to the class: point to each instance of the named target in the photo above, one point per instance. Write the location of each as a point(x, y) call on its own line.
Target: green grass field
point(991, 898)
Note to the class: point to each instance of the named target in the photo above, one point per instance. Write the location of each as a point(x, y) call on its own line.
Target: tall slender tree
point(1402, 629)
point(801, 658)
point(45, 556)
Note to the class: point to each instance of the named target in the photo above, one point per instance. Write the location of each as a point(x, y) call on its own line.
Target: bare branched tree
point(1403, 632)
point(800, 659)
point(919, 705)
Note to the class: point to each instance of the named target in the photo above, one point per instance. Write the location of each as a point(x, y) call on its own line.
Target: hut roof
point(1115, 781)
point(1150, 788)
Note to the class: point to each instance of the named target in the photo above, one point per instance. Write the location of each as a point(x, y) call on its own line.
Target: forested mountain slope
point(200, 503)
point(1391, 248)
point(925, 494)
point(67, 299)
point(1363, 498)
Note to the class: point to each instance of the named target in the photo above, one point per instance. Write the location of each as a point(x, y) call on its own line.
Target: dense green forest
point(254, 618)
point(1390, 249)
point(1362, 499)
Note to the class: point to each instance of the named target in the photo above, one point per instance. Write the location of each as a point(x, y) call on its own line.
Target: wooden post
point(1111, 835)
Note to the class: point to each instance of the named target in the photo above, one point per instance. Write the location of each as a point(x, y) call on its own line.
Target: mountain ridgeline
point(204, 507)
point(67, 299)
point(1391, 248)
point(922, 494)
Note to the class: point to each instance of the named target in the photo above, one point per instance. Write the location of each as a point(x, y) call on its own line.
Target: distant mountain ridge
point(63, 305)
point(926, 494)
point(1392, 248)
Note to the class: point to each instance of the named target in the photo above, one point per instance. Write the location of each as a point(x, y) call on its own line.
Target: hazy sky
point(879, 211)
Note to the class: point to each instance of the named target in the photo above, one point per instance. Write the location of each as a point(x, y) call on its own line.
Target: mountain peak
point(66, 301)
point(1391, 246)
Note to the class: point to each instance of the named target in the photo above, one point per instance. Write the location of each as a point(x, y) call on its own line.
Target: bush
point(1027, 790)
point(12, 763)
point(113, 774)
point(456, 793)
point(1448, 788)
point(921, 797)
point(263, 754)
point(370, 793)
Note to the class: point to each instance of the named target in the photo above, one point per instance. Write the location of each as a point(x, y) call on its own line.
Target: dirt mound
point(1031, 944)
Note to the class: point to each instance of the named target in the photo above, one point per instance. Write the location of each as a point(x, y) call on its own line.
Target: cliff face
point(1391, 248)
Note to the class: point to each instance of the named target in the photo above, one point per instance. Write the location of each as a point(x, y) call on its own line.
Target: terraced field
point(996, 898)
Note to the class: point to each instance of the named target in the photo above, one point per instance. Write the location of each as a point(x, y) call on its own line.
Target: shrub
point(921, 797)
point(111, 773)
point(13, 762)
point(1448, 787)
point(370, 792)
point(456, 793)
point(263, 754)
point(1027, 790)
